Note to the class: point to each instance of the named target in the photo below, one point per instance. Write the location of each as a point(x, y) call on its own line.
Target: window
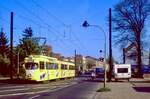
point(122, 70)
point(42, 65)
point(55, 66)
point(31, 66)
point(47, 65)
point(51, 66)
point(63, 66)
point(71, 67)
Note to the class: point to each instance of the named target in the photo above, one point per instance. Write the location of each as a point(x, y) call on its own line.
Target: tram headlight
point(29, 75)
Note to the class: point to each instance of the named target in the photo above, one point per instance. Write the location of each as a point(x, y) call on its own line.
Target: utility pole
point(18, 64)
point(11, 45)
point(110, 47)
point(149, 57)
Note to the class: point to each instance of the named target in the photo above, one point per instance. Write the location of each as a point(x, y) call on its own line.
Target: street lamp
point(86, 24)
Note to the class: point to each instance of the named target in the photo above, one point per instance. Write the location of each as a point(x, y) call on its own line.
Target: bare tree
point(129, 19)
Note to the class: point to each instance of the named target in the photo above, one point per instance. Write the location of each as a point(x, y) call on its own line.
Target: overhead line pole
point(11, 45)
point(110, 47)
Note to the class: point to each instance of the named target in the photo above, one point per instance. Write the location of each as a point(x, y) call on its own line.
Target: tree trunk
point(139, 61)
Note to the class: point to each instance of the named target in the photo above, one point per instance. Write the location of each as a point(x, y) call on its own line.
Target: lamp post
point(86, 24)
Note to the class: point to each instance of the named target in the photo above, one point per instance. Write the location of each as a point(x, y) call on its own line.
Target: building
point(130, 55)
point(92, 62)
point(82, 63)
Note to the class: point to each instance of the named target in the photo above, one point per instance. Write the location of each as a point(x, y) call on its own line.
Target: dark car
point(144, 70)
point(99, 72)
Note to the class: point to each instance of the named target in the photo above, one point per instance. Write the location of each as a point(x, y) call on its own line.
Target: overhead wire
point(78, 41)
point(49, 26)
point(49, 13)
point(35, 15)
point(19, 16)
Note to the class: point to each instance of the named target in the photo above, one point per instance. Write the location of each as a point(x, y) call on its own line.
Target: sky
point(60, 21)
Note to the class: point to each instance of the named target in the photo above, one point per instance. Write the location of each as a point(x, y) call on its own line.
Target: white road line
point(24, 93)
point(11, 87)
point(14, 90)
point(38, 85)
point(43, 87)
point(34, 97)
point(38, 92)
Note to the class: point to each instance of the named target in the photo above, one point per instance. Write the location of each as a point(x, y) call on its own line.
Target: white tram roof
point(41, 56)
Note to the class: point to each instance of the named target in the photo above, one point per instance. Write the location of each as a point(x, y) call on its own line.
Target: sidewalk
point(126, 90)
point(4, 78)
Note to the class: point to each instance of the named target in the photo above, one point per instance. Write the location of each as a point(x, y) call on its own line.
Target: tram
point(42, 68)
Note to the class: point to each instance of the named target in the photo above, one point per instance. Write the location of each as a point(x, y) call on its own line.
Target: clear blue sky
point(61, 23)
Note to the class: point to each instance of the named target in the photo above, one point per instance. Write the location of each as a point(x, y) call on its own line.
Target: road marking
point(38, 92)
point(39, 85)
point(34, 97)
point(11, 87)
point(25, 93)
point(43, 87)
point(14, 90)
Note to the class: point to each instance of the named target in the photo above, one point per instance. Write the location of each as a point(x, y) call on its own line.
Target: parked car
point(99, 71)
point(144, 70)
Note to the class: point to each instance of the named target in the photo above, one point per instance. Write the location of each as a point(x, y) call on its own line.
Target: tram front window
point(31, 66)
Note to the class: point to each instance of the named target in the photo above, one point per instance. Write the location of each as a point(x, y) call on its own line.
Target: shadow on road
point(93, 80)
point(146, 81)
point(88, 79)
point(118, 81)
point(142, 89)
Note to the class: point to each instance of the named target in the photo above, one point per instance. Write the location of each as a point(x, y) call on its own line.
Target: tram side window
point(51, 66)
point(63, 66)
point(31, 66)
point(56, 66)
point(48, 66)
point(41, 65)
point(71, 67)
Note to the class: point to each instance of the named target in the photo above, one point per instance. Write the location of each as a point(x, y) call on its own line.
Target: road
point(83, 90)
point(78, 88)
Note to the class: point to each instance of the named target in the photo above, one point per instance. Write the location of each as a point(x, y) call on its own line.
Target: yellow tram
point(41, 68)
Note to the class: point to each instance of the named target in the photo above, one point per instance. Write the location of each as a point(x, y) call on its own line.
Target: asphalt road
point(24, 90)
point(83, 90)
point(79, 88)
